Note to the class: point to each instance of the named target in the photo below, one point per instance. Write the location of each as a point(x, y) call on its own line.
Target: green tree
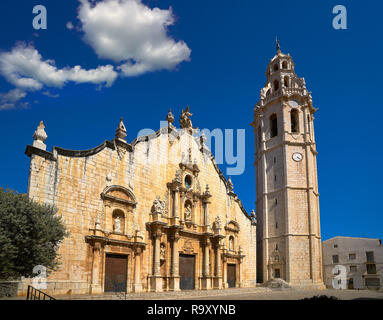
point(30, 234)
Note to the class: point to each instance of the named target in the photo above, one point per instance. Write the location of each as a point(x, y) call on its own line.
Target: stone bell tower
point(287, 199)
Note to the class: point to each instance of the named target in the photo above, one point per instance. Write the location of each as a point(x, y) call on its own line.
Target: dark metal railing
point(35, 294)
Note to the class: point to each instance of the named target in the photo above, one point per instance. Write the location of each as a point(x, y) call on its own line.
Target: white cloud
point(69, 25)
point(25, 68)
point(11, 99)
point(128, 31)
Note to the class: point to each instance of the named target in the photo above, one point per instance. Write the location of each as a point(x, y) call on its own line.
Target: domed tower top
point(282, 81)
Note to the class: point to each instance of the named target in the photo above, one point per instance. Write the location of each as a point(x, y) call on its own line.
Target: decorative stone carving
point(230, 185)
point(162, 252)
point(158, 206)
point(121, 131)
point(170, 117)
point(185, 121)
point(117, 224)
point(40, 136)
point(188, 211)
point(188, 247)
point(218, 224)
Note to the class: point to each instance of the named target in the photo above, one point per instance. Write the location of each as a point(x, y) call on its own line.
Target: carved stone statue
point(218, 223)
point(188, 211)
point(158, 206)
point(162, 251)
point(117, 224)
point(185, 121)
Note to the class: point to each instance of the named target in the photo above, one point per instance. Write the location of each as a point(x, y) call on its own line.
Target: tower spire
point(277, 43)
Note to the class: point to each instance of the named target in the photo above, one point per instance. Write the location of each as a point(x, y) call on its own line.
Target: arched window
point(268, 92)
point(231, 243)
point(294, 121)
point(188, 181)
point(284, 65)
point(273, 125)
point(286, 81)
point(276, 85)
point(275, 67)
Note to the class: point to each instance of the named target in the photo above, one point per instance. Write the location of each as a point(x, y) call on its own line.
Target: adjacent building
point(361, 257)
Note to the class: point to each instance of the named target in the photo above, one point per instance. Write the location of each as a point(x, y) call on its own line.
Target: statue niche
point(188, 210)
point(118, 221)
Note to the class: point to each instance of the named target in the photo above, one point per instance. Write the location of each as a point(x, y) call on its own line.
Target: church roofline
point(111, 144)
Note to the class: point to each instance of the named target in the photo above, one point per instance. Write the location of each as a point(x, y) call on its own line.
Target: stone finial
point(207, 192)
point(170, 117)
point(230, 184)
point(278, 46)
point(40, 136)
point(121, 131)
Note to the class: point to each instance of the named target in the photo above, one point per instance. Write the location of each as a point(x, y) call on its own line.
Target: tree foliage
point(30, 235)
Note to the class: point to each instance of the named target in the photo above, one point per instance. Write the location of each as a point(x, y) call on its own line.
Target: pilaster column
point(156, 284)
point(157, 244)
point(137, 286)
point(181, 209)
point(175, 206)
point(218, 267)
point(175, 278)
point(96, 286)
point(206, 279)
point(206, 271)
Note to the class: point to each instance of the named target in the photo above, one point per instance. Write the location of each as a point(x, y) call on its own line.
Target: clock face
point(297, 156)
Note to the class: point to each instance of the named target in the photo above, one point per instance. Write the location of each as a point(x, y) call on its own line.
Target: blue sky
point(223, 48)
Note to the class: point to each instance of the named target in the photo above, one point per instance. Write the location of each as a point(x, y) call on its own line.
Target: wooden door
point(187, 271)
point(115, 273)
point(231, 277)
point(277, 273)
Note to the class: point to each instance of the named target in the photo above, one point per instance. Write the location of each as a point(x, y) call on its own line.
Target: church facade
point(154, 215)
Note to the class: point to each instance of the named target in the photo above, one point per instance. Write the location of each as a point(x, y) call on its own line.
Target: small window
point(370, 256)
point(276, 247)
point(275, 178)
point(294, 121)
point(286, 81)
point(188, 181)
point(275, 68)
point(276, 85)
point(276, 201)
point(276, 225)
point(352, 256)
point(284, 65)
point(273, 125)
point(372, 282)
point(275, 159)
point(335, 258)
point(308, 124)
point(371, 268)
point(353, 269)
point(335, 246)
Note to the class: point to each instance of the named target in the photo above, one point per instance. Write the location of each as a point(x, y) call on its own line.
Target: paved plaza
point(237, 294)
